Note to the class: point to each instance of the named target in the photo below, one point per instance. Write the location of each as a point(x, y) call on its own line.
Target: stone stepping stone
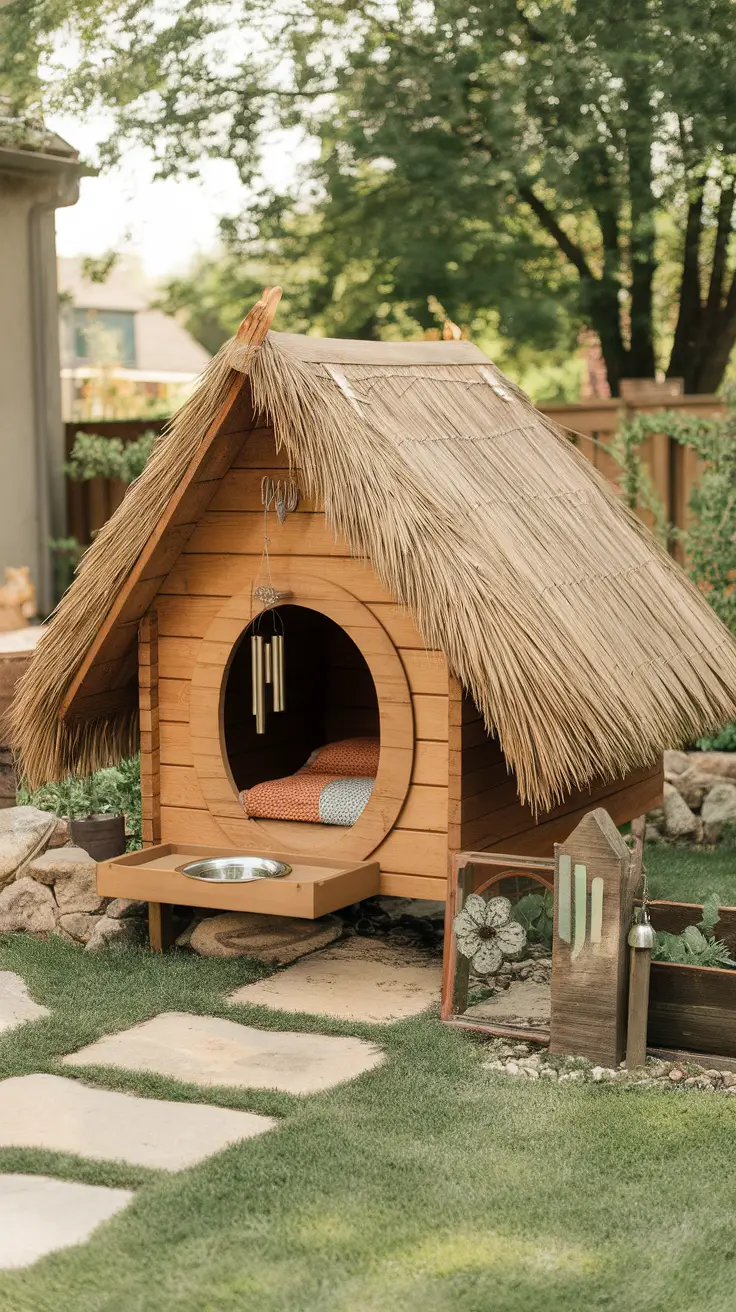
point(39, 1215)
point(205, 1050)
point(524, 1003)
point(48, 1111)
point(15, 1005)
point(357, 980)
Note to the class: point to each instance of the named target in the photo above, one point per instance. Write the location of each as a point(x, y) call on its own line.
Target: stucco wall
point(31, 481)
point(19, 529)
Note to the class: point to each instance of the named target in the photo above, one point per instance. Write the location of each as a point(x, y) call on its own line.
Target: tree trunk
point(684, 348)
point(641, 362)
point(706, 332)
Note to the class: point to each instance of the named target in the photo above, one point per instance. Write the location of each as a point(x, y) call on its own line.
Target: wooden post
point(636, 1030)
point(160, 926)
point(594, 899)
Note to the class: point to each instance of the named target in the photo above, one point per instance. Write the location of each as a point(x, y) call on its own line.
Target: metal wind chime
point(267, 669)
point(267, 653)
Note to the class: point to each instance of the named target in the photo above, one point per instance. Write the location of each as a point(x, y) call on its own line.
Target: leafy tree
point(542, 159)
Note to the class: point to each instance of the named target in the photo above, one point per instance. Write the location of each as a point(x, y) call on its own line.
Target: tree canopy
point(551, 163)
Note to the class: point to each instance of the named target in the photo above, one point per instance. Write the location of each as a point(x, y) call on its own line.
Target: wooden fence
point(672, 468)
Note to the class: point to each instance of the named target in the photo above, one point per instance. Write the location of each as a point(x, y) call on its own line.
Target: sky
point(166, 222)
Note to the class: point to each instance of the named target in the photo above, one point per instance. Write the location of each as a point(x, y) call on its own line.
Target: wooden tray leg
point(160, 926)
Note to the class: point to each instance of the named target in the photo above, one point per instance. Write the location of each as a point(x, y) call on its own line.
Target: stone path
point(16, 1007)
point(360, 979)
point(205, 1050)
point(48, 1111)
point(39, 1215)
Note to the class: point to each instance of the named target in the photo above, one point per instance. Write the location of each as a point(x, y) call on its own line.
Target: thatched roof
point(583, 643)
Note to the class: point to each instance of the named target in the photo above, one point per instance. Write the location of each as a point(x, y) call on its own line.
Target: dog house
point(365, 607)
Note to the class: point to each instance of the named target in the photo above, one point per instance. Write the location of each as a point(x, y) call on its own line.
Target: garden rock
point(113, 933)
point(73, 874)
point(125, 908)
point(652, 834)
point(719, 763)
point(78, 926)
point(513, 1060)
point(719, 809)
point(59, 834)
point(692, 785)
point(675, 763)
point(28, 907)
point(24, 831)
point(679, 820)
point(277, 940)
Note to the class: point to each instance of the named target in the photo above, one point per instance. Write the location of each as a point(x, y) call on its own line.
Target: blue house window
point(105, 336)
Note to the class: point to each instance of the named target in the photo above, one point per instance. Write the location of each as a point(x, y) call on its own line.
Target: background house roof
point(26, 146)
point(162, 345)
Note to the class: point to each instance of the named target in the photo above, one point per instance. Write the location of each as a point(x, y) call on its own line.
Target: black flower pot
point(102, 836)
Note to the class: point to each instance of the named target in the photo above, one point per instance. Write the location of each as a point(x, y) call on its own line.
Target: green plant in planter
point(115, 790)
point(696, 945)
point(535, 912)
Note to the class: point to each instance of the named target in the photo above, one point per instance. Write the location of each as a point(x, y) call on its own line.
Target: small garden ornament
point(486, 934)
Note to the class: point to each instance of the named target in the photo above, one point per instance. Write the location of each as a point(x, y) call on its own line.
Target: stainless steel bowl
point(234, 869)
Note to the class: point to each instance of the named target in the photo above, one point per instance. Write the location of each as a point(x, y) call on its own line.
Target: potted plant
point(99, 808)
point(98, 826)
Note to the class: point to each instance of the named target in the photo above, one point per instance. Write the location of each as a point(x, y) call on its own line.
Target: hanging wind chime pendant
point(258, 677)
point(278, 672)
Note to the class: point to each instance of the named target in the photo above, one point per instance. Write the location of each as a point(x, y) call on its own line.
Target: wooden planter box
point(692, 1007)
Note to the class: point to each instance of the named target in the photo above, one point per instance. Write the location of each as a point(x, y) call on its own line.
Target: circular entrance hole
point(330, 696)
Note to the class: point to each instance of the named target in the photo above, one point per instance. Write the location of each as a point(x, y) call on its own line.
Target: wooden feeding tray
point(315, 886)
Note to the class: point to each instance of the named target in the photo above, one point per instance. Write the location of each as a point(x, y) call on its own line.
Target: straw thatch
point(582, 642)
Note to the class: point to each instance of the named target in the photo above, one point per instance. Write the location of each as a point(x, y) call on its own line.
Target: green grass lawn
point(682, 874)
point(426, 1185)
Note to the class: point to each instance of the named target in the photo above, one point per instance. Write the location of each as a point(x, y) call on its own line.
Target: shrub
point(94, 456)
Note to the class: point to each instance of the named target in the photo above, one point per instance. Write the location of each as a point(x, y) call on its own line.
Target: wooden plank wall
point(216, 563)
point(148, 707)
point(493, 819)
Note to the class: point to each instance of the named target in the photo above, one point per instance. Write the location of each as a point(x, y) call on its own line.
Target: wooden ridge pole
point(252, 331)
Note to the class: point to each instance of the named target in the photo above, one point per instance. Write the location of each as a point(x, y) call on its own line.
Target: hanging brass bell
point(641, 934)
